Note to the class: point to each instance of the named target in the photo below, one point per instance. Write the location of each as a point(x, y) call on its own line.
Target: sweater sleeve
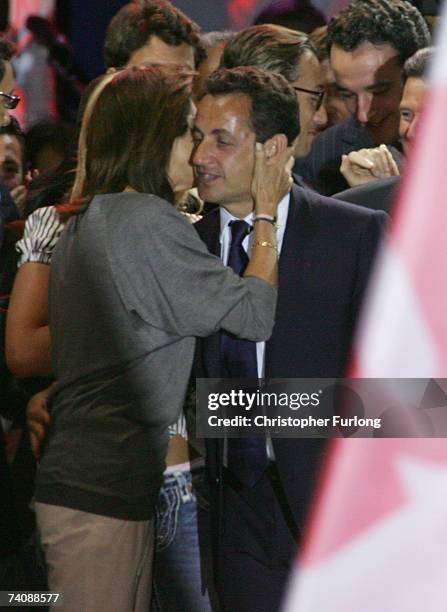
point(165, 275)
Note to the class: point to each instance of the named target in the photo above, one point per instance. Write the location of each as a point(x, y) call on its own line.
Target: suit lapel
point(292, 269)
point(209, 229)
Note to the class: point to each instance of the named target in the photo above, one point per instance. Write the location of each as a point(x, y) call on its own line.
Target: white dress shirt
point(225, 241)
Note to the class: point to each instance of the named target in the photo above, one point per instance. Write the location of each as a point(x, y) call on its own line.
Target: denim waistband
point(183, 481)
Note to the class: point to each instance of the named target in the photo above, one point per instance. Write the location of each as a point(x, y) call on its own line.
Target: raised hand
point(366, 165)
point(272, 177)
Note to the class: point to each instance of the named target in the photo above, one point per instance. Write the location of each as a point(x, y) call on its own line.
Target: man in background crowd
point(370, 172)
point(368, 44)
point(291, 54)
point(12, 170)
point(152, 32)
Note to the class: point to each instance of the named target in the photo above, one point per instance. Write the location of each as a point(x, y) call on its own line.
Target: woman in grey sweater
point(131, 285)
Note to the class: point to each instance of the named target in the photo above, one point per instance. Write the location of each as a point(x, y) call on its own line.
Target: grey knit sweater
point(131, 285)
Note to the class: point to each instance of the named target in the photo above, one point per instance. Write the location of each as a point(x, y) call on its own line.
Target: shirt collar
point(283, 209)
point(225, 233)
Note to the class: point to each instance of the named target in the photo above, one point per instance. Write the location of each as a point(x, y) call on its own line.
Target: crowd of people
point(214, 213)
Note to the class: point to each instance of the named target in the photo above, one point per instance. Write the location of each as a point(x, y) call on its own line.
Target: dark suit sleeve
point(321, 167)
point(377, 195)
point(369, 245)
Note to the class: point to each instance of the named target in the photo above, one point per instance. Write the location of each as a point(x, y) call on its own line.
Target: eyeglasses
point(9, 101)
point(318, 95)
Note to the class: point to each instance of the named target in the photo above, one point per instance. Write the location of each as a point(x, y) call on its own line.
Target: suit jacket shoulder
point(378, 195)
point(320, 168)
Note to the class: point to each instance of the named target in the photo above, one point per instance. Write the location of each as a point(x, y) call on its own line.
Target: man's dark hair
point(274, 107)
point(133, 25)
point(416, 66)
point(295, 14)
point(319, 41)
point(394, 22)
point(6, 52)
point(215, 38)
point(269, 47)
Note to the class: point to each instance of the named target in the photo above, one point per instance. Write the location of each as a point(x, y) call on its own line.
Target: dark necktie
point(246, 457)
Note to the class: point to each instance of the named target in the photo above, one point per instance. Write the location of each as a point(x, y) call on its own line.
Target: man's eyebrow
point(376, 85)
point(220, 132)
point(215, 132)
point(341, 88)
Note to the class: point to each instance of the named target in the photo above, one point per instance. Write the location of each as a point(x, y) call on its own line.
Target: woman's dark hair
point(130, 123)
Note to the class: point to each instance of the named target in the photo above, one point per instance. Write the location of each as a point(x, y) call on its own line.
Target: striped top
point(42, 231)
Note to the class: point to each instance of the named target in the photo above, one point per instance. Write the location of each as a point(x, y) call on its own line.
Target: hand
point(272, 178)
point(366, 165)
point(192, 217)
point(38, 418)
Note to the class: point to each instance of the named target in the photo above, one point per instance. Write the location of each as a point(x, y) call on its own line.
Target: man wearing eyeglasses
point(8, 210)
point(7, 100)
point(291, 54)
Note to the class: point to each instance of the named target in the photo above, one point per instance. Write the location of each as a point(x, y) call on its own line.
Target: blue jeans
point(183, 565)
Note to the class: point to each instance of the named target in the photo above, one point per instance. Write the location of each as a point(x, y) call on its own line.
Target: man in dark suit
point(326, 250)
point(368, 44)
point(369, 188)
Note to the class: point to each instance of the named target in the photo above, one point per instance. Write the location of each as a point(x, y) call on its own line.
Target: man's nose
point(201, 153)
point(320, 117)
point(364, 102)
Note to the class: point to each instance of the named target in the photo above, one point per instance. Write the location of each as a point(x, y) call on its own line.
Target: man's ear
point(275, 146)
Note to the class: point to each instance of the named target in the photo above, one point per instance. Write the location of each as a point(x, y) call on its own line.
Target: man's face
point(7, 84)
point(224, 152)
point(410, 110)
point(312, 120)
point(369, 80)
point(11, 165)
point(335, 106)
point(157, 51)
